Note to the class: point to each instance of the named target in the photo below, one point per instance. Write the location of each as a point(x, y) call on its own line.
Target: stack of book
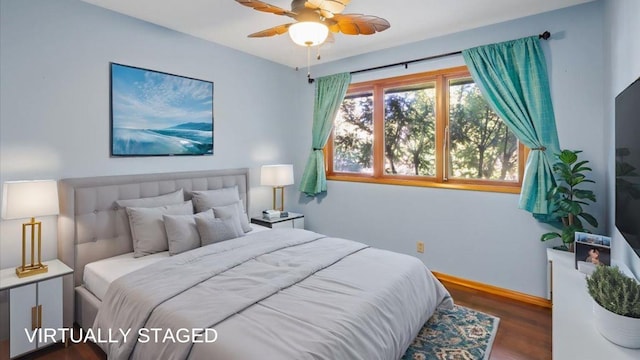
point(271, 214)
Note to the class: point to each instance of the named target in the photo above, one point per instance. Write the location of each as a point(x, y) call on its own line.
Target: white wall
point(622, 30)
point(54, 102)
point(475, 235)
point(54, 123)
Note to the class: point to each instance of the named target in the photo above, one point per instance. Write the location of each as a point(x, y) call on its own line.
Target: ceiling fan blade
point(330, 39)
point(276, 30)
point(328, 8)
point(264, 7)
point(358, 24)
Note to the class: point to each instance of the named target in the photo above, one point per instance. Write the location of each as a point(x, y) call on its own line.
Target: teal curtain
point(512, 76)
point(330, 91)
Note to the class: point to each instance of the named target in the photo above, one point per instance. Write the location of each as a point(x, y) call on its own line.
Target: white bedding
point(100, 274)
point(282, 294)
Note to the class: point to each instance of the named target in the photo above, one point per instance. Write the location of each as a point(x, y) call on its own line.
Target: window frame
point(441, 78)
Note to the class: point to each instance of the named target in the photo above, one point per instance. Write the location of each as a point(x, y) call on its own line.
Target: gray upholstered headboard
point(87, 225)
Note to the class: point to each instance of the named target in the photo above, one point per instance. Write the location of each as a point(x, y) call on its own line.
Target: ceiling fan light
point(308, 33)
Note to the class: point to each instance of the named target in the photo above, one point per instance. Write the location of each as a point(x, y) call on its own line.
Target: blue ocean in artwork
point(170, 141)
point(160, 114)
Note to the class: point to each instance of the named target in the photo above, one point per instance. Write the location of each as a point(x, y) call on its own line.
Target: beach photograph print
point(159, 114)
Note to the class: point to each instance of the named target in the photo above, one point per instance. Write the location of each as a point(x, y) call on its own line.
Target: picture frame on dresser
point(590, 251)
point(154, 113)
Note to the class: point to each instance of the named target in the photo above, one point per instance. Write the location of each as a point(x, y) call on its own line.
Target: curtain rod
point(545, 36)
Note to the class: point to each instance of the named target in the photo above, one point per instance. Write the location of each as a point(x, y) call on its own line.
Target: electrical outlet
point(420, 247)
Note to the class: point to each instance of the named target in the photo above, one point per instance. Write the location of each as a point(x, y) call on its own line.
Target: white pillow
point(147, 229)
point(214, 230)
point(182, 233)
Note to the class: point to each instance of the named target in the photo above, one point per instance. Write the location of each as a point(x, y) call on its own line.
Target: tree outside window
point(429, 129)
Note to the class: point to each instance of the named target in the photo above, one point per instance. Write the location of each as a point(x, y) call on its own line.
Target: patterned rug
point(457, 334)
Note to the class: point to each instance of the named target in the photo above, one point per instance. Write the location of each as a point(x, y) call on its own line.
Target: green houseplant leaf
point(568, 200)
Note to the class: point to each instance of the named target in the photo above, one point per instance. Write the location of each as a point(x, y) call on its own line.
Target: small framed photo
point(590, 251)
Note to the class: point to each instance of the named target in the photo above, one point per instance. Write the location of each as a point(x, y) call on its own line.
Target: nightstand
point(293, 221)
point(34, 302)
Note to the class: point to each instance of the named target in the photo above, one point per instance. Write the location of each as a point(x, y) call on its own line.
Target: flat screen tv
point(628, 164)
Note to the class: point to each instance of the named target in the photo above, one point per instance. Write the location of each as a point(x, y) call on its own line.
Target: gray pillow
point(203, 200)
point(230, 212)
point(182, 233)
point(147, 229)
point(244, 219)
point(122, 219)
point(214, 230)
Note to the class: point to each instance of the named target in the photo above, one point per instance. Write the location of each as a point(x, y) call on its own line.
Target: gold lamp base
point(29, 270)
point(35, 267)
point(281, 207)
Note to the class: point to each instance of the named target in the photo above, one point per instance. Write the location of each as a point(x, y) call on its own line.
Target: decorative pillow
point(244, 219)
point(214, 230)
point(203, 200)
point(176, 197)
point(230, 212)
point(147, 229)
point(122, 219)
point(182, 233)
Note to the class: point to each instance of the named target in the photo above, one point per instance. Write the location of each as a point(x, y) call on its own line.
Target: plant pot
point(620, 330)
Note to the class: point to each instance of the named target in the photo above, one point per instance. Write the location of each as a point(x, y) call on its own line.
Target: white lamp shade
point(26, 199)
point(308, 33)
point(276, 175)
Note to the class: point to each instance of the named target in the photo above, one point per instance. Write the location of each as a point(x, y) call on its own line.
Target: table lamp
point(28, 199)
point(277, 176)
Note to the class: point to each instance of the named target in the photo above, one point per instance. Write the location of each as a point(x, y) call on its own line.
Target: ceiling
point(228, 23)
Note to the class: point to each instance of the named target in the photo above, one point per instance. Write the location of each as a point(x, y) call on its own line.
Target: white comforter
point(281, 294)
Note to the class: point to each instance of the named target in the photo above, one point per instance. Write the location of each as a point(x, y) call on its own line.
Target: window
point(428, 129)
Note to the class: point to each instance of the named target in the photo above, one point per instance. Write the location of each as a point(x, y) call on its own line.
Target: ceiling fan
point(314, 20)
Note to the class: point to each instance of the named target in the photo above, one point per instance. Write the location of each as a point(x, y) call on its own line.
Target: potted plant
point(568, 199)
point(616, 305)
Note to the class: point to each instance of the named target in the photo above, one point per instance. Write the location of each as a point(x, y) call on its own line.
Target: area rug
point(457, 334)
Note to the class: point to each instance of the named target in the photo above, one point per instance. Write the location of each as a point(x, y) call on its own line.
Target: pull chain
point(309, 79)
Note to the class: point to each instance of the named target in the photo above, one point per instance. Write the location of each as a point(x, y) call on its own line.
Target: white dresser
point(574, 333)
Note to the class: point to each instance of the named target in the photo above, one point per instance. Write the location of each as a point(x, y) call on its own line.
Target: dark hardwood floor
point(524, 331)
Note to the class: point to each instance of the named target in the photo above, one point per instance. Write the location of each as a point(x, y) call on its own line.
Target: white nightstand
point(34, 302)
point(574, 333)
point(294, 220)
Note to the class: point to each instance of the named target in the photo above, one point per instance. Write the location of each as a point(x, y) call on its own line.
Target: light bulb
point(308, 33)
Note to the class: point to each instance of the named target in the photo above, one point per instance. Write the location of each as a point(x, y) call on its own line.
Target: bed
point(270, 294)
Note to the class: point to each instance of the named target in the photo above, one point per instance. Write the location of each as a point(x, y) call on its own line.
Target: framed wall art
point(158, 114)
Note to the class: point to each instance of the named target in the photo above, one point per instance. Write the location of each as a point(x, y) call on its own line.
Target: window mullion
point(378, 131)
point(442, 116)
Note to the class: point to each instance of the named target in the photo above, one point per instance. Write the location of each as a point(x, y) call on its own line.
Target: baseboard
point(490, 289)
